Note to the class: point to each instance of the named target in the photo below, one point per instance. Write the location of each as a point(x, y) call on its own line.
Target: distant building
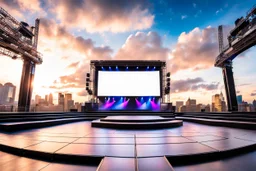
point(37, 99)
point(61, 99)
point(199, 107)
point(46, 99)
point(7, 93)
point(67, 101)
point(191, 105)
point(183, 109)
point(207, 108)
point(78, 106)
point(239, 99)
point(254, 105)
point(218, 103)
point(50, 99)
point(246, 107)
point(178, 105)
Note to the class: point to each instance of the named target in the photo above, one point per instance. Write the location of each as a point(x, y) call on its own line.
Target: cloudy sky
point(184, 33)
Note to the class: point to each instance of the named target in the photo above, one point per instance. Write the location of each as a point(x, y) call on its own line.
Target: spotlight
point(102, 67)
point(127, 67)
point(154, 67)
point(109, 67)
point(148, 67)
point(137, 68)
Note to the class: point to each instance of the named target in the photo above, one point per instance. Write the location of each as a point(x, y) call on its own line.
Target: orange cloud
point(143, 46)
point(103, 15)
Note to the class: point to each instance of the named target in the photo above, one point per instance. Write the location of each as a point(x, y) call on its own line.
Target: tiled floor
point(82, 139)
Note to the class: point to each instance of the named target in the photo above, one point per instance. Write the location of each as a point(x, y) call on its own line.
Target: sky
point(184, 33)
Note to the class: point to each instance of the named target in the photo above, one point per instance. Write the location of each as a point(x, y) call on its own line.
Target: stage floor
point(80, 139)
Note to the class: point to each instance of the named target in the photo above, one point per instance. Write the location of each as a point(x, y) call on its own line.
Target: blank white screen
point(128, 83)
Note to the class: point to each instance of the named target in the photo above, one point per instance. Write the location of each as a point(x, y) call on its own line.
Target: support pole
point(26, 86)
point(230, 86)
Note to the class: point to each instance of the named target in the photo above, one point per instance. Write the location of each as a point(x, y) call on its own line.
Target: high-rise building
point(183, 109)
point(1, 91)
point(239, 99)
point(207, 108)
point(37, 99)
point(199, 107)
point(178, 105)
point(191, 105)
point(218, 103)
point(50, 99)
point(7, 93)
point(68, 97)
point(61, 100)
point(46, 99)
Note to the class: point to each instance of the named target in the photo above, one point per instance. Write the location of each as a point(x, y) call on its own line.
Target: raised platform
point(136, 122)
point(79, 142)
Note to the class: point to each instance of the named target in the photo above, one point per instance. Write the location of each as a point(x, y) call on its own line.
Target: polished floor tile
point(163, 140)
point(117, 164)
point(172, 149)
point(154, 163)
point(49, 147)
point(105, 140)
point(99, 150)
point(22, 163)
point(227, 144)
point(205, 138)
point(66, 167)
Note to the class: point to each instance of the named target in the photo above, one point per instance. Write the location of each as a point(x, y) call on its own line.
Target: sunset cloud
point(195, 50)
point(192, 84)
point(143, 46)
point(19, 7)
point(103, 15)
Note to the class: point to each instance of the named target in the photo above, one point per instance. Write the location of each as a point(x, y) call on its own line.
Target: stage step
point(18, 126)
point(221, 117)
point(136, 125)
point(228, 123)
point(135, 164)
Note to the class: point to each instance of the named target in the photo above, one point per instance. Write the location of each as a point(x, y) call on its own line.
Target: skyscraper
point(178, 105)
point(61, 99)
point(7, 93)
point(50, 99)
point(37, 99)
point(46, 99)
point(191, 105)
point(239, 99)
point(218, 103)
point(68, 97)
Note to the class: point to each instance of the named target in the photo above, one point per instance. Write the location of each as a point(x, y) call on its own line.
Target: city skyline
point(161, 30)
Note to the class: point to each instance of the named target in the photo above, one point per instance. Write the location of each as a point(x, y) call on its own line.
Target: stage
point(136, 122)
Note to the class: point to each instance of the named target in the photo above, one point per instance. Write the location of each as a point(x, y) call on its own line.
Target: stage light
point(137, 68)
point(154, 67)
point(102, 67)
point(148, 67)
point(127, 67)
point(109, 67)
point(116, 67)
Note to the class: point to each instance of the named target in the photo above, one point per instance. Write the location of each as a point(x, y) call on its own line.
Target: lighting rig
point(88, 81)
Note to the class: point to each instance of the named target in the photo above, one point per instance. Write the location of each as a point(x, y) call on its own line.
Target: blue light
point(116, 67)
point(137, 68)
point(148, 67)
point(154, 67)
point(109, 67)
point(127, 67)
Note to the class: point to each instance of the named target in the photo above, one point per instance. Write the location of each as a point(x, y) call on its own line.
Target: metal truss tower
point(19, 40)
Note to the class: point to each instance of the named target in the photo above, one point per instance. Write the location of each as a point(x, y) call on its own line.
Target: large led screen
point(129, 83)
